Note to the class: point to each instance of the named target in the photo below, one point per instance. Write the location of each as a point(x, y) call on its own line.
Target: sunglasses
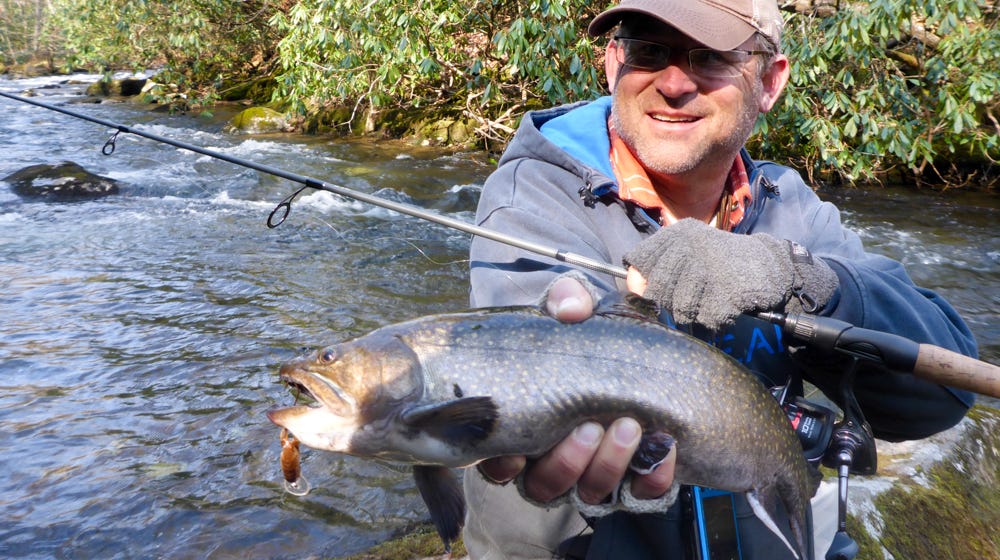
point(707, 63)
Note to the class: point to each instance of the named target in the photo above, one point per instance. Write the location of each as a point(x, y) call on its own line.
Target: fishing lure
point(291, 468)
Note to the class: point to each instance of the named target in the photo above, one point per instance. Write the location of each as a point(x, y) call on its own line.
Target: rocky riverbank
point(934, 498)
point(261, 117)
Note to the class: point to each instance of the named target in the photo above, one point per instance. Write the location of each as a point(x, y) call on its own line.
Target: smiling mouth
point(673, 120)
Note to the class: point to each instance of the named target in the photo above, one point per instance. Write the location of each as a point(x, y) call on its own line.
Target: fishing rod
point(927, 361)
point(281, 211)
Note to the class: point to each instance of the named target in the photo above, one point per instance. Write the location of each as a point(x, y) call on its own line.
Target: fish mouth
point(319, 392)
point(327, 420)
point(301, 391)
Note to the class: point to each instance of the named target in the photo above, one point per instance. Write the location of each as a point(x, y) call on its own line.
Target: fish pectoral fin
point(442, 493)
point(461, 421)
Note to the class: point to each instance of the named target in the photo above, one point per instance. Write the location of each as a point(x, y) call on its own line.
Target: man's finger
point(501, 470)
point(657, 483)
point(559, 469)
point(635, 282)
point(569, 301)
point(609, 464)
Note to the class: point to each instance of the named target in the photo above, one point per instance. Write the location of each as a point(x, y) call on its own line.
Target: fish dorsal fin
point(628, 305)
point(443, 495)
point(460, 421)
point(645, 307)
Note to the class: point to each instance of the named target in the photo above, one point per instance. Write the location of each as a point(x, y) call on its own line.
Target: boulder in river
point(257, 120)
point(125, 87)
point(63, 182)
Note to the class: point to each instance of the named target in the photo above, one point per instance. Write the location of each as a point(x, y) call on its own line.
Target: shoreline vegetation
point(898, 92)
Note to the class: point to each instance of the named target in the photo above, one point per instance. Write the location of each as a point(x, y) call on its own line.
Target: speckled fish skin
point(398, 393)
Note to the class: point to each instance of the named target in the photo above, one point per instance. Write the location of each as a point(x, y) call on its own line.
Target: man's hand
point(704, 275)
point(592, 458)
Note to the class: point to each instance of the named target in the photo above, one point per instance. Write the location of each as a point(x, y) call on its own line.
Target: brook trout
point(451, 390)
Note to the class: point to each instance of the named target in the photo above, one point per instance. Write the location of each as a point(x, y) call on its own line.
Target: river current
point(140, 334)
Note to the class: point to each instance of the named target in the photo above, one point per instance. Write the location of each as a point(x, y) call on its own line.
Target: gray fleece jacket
point(554, 186)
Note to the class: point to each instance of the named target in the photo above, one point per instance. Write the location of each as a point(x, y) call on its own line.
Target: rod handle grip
point(945, 367)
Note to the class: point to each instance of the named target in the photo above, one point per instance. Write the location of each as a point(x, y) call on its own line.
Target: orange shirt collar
point(634, 186)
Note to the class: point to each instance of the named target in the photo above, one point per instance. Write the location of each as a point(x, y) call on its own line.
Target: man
point(656, 176)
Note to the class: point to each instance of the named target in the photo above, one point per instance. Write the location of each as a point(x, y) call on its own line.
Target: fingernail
point(588, 433)
point(568, 304)
point(626, 431)
point(505, 464)
point(570, 309)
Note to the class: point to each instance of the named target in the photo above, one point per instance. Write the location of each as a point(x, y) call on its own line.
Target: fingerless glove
point(705, 275)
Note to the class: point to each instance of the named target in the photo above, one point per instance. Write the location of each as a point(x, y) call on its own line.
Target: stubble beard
point(650, 151)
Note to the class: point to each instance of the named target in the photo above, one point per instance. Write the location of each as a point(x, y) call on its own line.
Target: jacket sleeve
point(529, 200)
point(877, 293)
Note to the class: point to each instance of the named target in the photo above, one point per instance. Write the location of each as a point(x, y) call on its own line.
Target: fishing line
point(930, 362)
point(284, 208)
point(412, 242)
point(422, 252)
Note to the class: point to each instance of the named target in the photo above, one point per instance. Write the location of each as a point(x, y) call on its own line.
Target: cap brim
point(708, 25)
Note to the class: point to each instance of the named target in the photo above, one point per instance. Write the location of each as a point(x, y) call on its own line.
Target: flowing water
point(140, 334)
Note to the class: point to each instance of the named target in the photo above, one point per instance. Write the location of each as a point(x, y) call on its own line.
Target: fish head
point(357, 388)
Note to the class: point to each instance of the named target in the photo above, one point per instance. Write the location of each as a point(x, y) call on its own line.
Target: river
point(141, 333)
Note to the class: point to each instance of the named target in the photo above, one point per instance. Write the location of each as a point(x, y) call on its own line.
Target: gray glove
point(708, 276)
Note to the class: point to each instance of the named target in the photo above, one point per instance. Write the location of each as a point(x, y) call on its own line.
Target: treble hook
point(285, 205)
point(109, 146)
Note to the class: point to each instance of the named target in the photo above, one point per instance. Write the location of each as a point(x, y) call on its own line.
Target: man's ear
point(774, 79)
point(611, 64)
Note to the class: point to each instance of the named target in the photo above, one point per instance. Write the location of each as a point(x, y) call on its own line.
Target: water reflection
point(141, 334)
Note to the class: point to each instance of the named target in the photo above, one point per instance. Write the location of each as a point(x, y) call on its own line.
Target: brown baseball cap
point(719, 24)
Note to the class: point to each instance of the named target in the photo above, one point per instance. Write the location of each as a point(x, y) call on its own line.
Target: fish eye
point(327, 356)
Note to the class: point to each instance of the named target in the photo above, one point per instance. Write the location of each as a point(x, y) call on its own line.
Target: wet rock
point(933, 498)
point(126, 87)
point(29, 69)
point(258, 90)
point(257, 120)
point(62, 182)
point(821, 8)
point(418, 543)
point(444, 132)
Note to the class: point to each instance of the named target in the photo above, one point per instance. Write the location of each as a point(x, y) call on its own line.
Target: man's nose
point(677, 78)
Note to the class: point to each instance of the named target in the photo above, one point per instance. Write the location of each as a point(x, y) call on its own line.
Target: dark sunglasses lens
point(645, 56)
point(711, 63)
point(707, 63)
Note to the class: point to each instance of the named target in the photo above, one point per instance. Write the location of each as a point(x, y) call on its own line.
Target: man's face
point(677, 122)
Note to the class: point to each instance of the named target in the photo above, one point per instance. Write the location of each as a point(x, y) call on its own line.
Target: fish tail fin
point(815, 478)
point(444, 498)
point(763, 505)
